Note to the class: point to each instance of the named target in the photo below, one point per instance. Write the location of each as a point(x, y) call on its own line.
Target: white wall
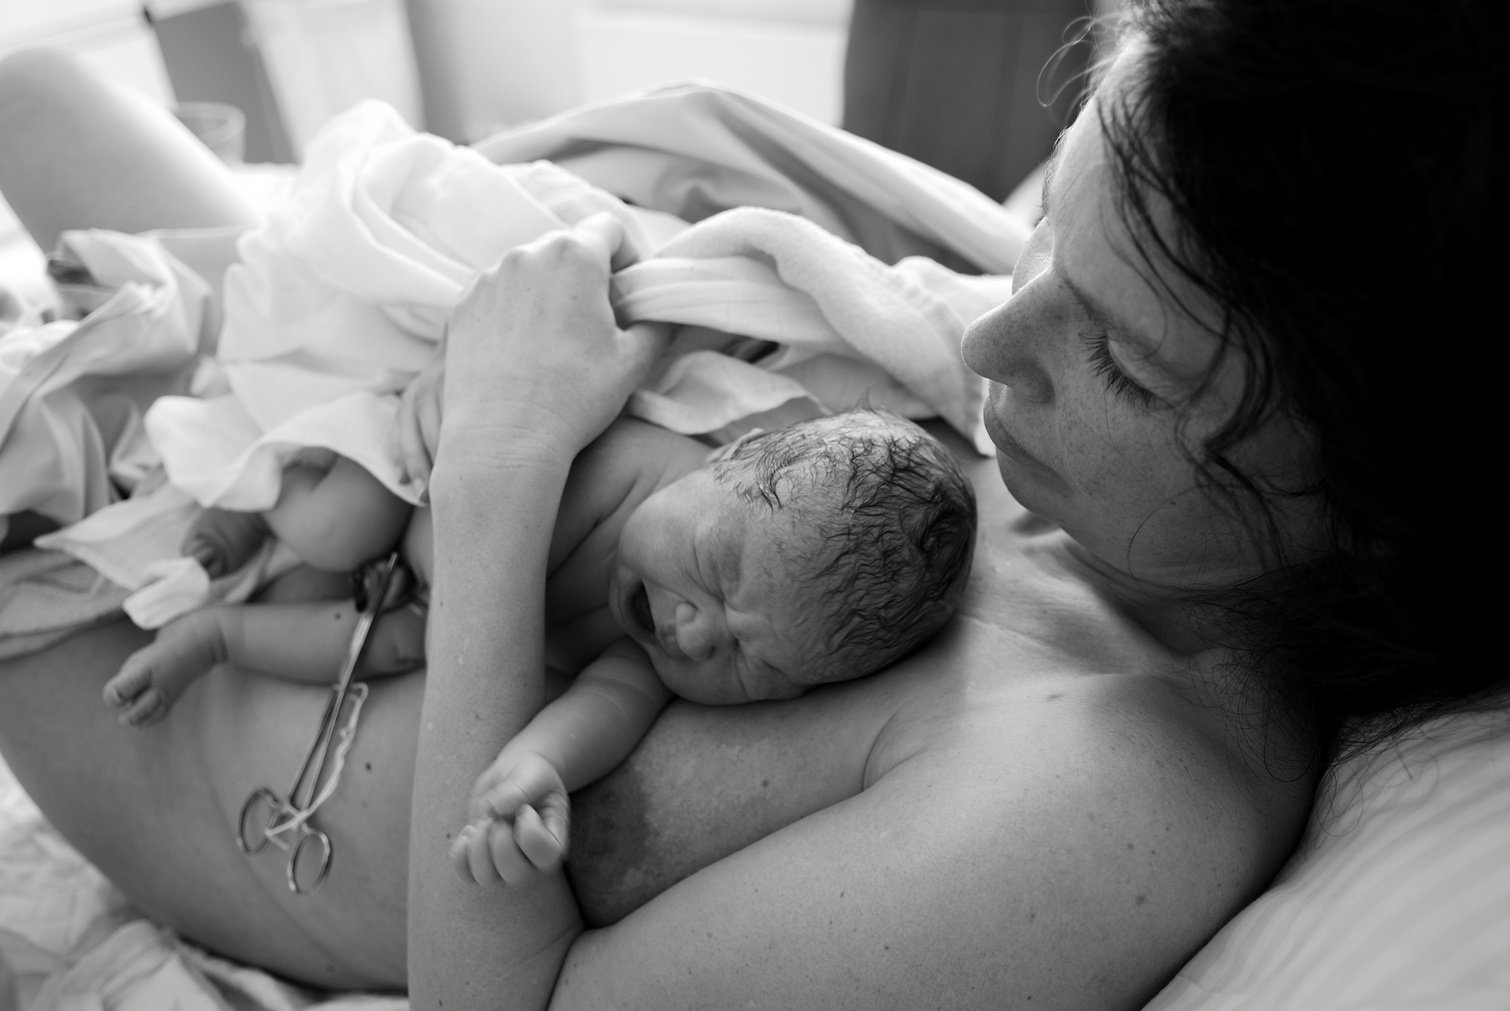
point(795, 61)
point(487, 64)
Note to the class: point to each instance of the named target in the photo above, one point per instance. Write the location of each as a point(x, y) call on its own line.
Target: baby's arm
point(519, 809)
point(302, 641)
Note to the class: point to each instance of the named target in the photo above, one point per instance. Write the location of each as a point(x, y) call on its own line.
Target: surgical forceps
point(285, 822)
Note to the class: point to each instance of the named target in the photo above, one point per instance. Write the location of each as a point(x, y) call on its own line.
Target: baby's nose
point(698, 631)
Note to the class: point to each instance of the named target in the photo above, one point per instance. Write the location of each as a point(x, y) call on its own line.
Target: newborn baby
point(815, 553)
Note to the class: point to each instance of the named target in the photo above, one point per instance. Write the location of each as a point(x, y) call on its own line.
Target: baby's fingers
point(514, 781)
point(469, 855)
point(418, 424)
point(486, 853)
point(542, 839)
point(134, 677)
point(147, 708)
point(509, 861)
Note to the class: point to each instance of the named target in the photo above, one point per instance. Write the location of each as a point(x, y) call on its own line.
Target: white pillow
point(1398, 897)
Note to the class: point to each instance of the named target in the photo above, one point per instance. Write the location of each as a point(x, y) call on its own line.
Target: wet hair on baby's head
point(891, 523)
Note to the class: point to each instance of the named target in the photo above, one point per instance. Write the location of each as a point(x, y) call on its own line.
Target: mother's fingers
point(535, 350)
point(603, 233)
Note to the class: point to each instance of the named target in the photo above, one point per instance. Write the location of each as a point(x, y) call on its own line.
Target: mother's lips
point(1004, 442)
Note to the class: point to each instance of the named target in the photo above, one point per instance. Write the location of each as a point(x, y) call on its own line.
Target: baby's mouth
point(639, 611)
point(642, 627)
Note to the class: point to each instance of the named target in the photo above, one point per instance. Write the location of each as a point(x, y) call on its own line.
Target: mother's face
point(1096, 395)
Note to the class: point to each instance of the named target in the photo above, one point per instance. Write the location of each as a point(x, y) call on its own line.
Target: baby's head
point(815, 553)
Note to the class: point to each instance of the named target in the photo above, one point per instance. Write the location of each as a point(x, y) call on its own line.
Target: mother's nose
point(1012, 343)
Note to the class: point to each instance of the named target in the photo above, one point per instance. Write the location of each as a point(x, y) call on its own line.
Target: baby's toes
point(132, 679)
point(137, 691)
point(148, 707)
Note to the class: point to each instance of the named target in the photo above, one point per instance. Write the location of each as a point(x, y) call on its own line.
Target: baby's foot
point(152, 678)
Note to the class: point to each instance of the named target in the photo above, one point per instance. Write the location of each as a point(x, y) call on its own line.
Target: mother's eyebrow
point(1103, 314)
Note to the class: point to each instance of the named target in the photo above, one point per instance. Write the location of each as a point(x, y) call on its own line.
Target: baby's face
point(699, 582)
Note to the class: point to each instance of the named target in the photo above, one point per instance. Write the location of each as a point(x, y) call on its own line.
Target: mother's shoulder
point(1040, 673)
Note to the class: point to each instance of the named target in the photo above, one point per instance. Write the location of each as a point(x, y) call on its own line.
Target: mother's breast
point(708, 781)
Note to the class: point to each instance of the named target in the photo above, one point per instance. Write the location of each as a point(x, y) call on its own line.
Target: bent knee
point(37, 66)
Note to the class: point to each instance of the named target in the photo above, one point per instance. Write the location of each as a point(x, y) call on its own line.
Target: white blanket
point(340, 297)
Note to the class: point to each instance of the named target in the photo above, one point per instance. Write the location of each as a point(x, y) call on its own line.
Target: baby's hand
point(419, 412)
point(221, 540)
point(521, 820)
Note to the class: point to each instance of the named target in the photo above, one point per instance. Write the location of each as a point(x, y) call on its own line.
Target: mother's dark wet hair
point(1310, 153)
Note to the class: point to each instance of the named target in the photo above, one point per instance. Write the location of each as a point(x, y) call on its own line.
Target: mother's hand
point(535, 361)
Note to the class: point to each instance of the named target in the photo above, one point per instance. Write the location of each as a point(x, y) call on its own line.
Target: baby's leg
point(339, 517)
point(151, 679)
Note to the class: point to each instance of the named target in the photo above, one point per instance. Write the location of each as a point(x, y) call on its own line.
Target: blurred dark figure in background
point(962, 84)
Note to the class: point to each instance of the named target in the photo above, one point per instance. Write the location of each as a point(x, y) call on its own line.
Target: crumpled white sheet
point(340, 297)
point(73, 392)
point(73, 396)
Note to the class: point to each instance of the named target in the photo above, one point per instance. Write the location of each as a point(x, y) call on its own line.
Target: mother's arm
point(536, 368)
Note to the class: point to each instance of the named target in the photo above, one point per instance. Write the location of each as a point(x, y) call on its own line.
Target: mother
point(1211, 390)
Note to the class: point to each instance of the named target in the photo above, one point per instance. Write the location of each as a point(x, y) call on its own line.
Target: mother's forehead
point(1121, 267)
